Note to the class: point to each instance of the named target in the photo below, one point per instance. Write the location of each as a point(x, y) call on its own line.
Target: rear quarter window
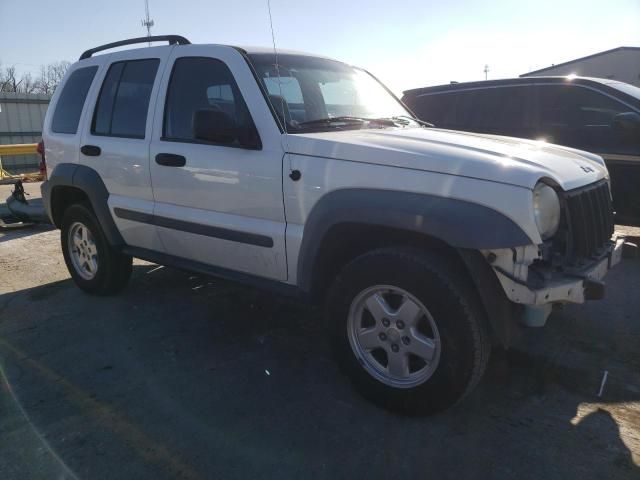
point(69, 107)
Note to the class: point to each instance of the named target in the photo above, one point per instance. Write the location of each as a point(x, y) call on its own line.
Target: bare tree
point(27, 84)
point(9, 81)
point(49, 78)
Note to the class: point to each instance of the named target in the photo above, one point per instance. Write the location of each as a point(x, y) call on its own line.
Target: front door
point(218, 202)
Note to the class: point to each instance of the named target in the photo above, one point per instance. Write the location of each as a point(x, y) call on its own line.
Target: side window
point(201, 84)
point(596, 109)
point(575, 106)
point(438, 108)
point(123, 103)
point(554, 107)
point(579, 117)
point(69, 106)
point(499, 110)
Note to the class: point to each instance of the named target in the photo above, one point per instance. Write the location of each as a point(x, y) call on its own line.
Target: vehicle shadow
point(238, 383)
point(9, 232)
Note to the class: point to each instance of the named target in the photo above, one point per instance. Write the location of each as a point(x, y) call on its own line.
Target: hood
point(514, 161)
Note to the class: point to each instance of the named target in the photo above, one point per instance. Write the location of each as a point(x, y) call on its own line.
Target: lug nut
point(395, 348)
point(400, 324)
point(386, 322)
point(406, 340)
point(382, 336)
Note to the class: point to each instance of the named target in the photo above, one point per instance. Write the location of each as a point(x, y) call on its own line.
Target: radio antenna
point(275, 53)
point(147, 22)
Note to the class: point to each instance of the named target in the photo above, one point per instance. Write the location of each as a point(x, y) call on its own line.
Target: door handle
point(90, 150)
point(170, 160)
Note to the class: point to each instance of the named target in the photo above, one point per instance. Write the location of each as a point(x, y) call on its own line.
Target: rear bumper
point(565, 287)
point(45, 190)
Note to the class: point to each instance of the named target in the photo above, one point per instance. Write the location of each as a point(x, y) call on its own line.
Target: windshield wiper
point(348, 120)
point(417, 120)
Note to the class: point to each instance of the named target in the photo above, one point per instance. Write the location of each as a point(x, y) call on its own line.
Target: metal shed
point(622, 64)
point(21, 119)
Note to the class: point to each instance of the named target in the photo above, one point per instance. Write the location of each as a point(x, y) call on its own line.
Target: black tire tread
point(115, 268)
point(462, 296)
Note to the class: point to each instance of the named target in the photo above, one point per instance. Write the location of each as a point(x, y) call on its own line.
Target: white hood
point(489, 157)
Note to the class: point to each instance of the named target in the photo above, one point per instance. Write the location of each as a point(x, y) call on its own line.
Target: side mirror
point(627, 122)
point(214, 126)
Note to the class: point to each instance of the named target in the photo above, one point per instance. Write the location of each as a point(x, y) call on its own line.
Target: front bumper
point(564, 287)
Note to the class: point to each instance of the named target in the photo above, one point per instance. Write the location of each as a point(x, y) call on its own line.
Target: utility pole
point(147, 22)
point(486, 72)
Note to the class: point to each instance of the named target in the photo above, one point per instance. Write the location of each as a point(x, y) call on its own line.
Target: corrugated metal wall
point(21, 119)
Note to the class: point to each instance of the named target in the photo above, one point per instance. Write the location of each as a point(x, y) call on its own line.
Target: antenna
point(147, 22)
point(275, 53)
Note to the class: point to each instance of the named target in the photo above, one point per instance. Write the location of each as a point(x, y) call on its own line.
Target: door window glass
point(123, 104)
point(579, 117)
point(201, 84)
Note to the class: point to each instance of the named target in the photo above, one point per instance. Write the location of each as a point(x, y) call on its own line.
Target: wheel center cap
point(393, 335)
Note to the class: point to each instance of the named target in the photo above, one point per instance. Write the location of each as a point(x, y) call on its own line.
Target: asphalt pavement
point(183, 376)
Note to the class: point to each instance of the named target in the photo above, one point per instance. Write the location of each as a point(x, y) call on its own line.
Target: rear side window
point(71, 101)
point(502, 110)
point(123, 103)
point(498, 110)
point(201, 84)
point(435, 108)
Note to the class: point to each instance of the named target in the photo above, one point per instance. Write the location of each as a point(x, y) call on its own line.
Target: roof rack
point(172, 39)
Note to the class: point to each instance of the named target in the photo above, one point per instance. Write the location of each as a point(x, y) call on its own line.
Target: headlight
point(546, 210)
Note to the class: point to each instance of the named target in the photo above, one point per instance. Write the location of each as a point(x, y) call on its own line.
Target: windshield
point(317, 94)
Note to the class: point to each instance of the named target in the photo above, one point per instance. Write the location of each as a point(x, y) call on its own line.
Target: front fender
point(458, 223)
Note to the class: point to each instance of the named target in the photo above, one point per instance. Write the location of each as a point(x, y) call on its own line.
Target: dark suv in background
point(597, 115)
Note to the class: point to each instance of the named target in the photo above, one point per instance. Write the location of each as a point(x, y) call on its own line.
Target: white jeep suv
point(306, 176)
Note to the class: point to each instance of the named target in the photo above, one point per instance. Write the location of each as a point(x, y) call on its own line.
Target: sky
point(405, 43)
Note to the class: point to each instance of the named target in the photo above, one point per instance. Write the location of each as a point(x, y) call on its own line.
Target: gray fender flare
point(88, 181)
point(458, 223)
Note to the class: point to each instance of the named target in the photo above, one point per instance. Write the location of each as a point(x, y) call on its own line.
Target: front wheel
point(407, 329)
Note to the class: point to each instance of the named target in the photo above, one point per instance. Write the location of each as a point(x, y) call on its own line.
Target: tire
point(96, 267)
point(446, 349)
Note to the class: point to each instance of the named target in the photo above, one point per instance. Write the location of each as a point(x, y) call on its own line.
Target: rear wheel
point(95, 266)
point(407, 329)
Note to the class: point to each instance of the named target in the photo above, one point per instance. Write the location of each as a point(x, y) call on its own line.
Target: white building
point(622, 64)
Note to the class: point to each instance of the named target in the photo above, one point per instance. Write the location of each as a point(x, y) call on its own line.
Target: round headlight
point(546, 210)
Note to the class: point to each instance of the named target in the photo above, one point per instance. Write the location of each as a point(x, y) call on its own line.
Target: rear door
point(116, 137)
point(216, 203)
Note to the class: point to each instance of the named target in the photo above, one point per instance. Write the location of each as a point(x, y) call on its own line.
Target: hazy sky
point(405, 43)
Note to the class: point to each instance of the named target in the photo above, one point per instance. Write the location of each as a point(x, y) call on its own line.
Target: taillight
point(43, 162)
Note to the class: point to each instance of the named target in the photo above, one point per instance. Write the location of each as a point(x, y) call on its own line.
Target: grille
point(590, 218)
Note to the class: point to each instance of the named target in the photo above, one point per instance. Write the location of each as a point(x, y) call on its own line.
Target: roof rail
point(172, 39)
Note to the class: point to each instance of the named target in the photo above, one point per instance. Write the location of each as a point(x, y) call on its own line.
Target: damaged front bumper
point(539, 289)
